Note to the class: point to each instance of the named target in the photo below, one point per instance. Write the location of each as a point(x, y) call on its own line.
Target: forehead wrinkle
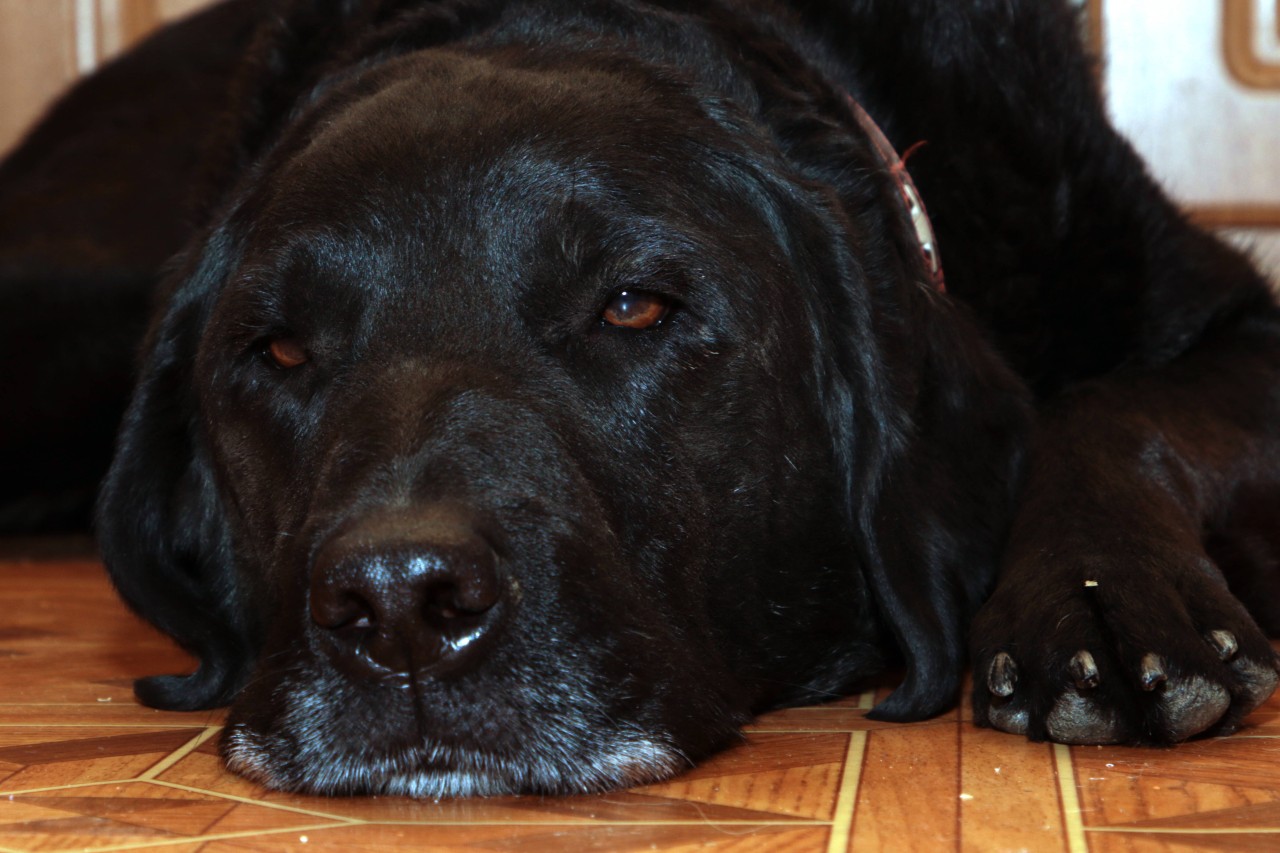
point(315, 254)
point(522, 206)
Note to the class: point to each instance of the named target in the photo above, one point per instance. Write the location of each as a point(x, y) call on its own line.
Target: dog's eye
point(636, 309)
point(287, 352)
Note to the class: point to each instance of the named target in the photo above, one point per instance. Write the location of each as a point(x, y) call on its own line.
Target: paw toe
point(1007, 718)
point(1081, 719)
point(1259, 682)
point(1192, 704)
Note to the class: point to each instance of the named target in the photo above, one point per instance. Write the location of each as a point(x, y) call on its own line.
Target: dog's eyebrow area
point(577, 258)
point(489, 212)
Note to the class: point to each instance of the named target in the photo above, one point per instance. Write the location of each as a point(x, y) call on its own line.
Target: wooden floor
point(83, 767)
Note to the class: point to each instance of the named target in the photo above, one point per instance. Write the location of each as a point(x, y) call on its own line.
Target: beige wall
point(45, 44)
point(1195, 85)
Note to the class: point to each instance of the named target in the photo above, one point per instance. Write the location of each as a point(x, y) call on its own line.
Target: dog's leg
point(1110, 622)
point(1155, 353)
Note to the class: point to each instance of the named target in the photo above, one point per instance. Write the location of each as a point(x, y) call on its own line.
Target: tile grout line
point(201, 839)
point(842, 819)
point(591, 823)
point(253, 833)
point(1069, 799)
point(850, 780)
point(347, 820)
point(144, 726)
point(178, 754)
point(341, 820)
point(1189, 830)
point(23, 792)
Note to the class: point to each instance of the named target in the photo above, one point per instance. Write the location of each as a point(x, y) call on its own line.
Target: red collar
point(912, 207)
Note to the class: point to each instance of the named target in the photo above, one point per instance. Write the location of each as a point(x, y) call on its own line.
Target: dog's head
point(531, 416)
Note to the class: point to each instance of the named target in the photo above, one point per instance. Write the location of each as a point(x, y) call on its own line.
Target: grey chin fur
point(628, 759)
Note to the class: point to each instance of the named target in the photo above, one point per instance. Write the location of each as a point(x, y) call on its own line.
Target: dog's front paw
point(1118, 657)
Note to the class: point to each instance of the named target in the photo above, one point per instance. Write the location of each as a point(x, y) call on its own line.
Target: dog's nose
point(419, 596)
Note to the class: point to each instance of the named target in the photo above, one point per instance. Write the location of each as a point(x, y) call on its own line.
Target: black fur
point(815, 466)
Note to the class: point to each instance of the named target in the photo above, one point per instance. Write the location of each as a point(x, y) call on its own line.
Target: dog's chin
point(618, 760)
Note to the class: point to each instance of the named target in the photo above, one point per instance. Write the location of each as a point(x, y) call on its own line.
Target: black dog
point(545, 388)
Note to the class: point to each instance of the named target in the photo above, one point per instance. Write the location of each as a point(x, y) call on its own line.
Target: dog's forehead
point(442, 136)
point(446, 167)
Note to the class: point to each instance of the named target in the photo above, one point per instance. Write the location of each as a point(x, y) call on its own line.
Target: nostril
point(465, 592)
point(452, 613)
point(346, 618)
point(341, 610)
point(442, 603)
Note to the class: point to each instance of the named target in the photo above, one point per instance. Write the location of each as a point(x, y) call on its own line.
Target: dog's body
point(547, 387)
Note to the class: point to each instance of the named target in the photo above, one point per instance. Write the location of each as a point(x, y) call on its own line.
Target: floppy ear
point(160, 522)
point(928, 426)
point(933, 524)
point(933, 424)
point(926, 420)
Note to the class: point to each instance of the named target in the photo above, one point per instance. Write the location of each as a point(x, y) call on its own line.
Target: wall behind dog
point(1194, 83)
point(47, 44)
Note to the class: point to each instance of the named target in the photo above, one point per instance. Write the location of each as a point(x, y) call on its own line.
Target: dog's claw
point(1084, 670)
point(1225, 643)
point(1002, 678)
point(1153, 674)
point(1003, 675)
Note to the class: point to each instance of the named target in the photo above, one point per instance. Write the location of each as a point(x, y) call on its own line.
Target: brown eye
point(287, 352)
point(636, 309)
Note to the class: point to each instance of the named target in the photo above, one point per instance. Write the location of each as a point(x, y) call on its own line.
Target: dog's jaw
point(630, 758)
point(539, 735)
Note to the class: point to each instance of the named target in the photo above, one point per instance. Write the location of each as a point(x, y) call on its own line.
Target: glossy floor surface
point(83, 767)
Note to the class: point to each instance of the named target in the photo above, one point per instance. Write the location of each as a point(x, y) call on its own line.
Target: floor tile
point(83, 766)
